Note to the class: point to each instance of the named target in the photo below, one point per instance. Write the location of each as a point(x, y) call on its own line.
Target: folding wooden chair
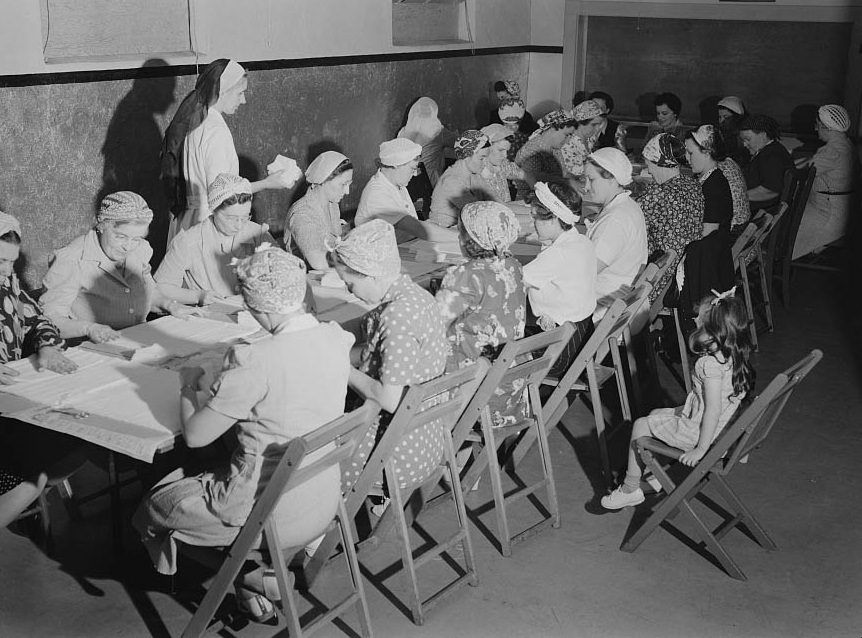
point(733, 445)
point(443, 400)
point(333, 443)
point(523, 364)
point(787, 235)
point(587, 364)
point(659, 309)
point(745, 254)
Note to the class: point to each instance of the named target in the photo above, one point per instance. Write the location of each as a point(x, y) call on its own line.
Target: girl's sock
point(631, 483)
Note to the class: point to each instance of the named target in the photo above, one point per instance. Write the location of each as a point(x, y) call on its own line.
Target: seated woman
point(704, 150)
point(29, 455)
point(269, 392)
point(462, 182)
point(509, 92)
point(764, 174)
point(402, 342)
point(673, 206)
point(197, 268)
point(315, 219)
point(540, 156)
point(667, 109)
point(561, 280)
point(738, 192)
point(511, 115)
point(611, 133)
point(589, 119)
point(385, 195)
point(498, 169)
point(731, 111)
point(101, 282)
point(825, 217)
point(618, 232)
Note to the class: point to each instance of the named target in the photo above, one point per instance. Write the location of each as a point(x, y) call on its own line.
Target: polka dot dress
point(405, 345)
point(8, 482)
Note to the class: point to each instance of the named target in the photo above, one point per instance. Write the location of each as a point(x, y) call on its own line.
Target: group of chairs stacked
point(459, 401)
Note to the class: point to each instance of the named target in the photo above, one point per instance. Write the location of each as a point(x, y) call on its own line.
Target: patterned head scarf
point(495, 133)
point(491, 225)
point(834, 117)
point(271, 280)
point(663, 150)
point(469, 142)
point(9, 223)
point(226, 185)
point(705, 136)
point(322, 166)
point(512, 87)
point(124, 206)
point(511, 110)
point(370, 249)
point(554, 117)
point(587, 110)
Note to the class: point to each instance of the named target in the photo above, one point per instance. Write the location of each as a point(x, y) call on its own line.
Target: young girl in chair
point(722, 377)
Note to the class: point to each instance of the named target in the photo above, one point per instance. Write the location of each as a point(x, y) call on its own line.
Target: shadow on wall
point(645, 104)
point(708, 107)
point(132, 146)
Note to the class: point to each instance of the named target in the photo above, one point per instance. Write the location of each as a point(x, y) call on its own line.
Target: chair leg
point(461, 511)
point(620, 377)
point(683, 351)
point(747, 517)
point(409, 570)
point(497, 488)
point(785, 280)
point(599, 418)
point(764, 290)
point(748, 304)
point(347, 541)
point(545, 452)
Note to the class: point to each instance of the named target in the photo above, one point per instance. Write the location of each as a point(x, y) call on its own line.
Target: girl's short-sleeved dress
point(278, 388)
point(485, 301)
point(405, 344)
point(680, 427)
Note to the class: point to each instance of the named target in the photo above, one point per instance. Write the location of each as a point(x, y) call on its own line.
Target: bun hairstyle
point(724, 331)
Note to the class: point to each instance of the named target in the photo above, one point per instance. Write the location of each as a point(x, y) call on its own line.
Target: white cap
point(834, 117)
point(615, 162)
point(496, 132)
point(733, 104)
point(398, 151)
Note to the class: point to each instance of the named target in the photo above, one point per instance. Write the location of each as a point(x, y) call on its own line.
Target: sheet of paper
point(422, 250)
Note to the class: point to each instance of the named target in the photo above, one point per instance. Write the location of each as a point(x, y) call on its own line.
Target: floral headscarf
point(370, 249)
point(587, 110)
point(271, 280)
point(469, 142)
point(491, 225)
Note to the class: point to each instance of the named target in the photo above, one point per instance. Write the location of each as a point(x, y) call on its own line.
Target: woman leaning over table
point(482, 301)
point(498, 169)
point(764, 174)
point(385, 195)
point(315, 219)
point(29, 455)
point(101, 281)
point(540, 156)
point(672, 206)
point(462, 182)
point(196, 270)
point(402, 342)
point(589, 118)
point(828, 208)
point(561, 280)
point(269, 392)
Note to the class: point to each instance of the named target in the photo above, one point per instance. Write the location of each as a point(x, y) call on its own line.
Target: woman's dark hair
point(563, 124)
point(566, 194)
point(670, 100)
point(237, 198)
point(606, 174)
point(11, 237)
point(725, 330)
point(608, 100)
point(190, 114)
point(346, 165)
point(760, 124)
point(472, 249)
point(718, 150)
point(499, 85)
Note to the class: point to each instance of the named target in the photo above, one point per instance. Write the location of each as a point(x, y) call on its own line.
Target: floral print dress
point(484, 304)
point(673, 212)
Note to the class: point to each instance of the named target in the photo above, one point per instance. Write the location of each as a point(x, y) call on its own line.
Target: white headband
point(232, 74)
point(553, 204)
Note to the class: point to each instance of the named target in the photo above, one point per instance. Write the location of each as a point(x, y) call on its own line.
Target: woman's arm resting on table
point(426, 230)
point(51, 358)
point(188, 296)
point(201, 426)
point(388, 396)
point(761, 194)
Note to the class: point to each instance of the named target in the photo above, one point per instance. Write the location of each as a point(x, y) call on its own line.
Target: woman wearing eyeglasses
point(197, 268)
point(101, 281)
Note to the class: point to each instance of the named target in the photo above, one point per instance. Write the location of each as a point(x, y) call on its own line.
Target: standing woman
point(589, 118)
point(268, 393)
point(199, 146)
point(197, 268)
point(315, 219)
point(825, 217)
point(101, 282)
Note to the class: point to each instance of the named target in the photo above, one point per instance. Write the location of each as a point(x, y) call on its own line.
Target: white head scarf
point(554, 204)
point(9, 223)
point(322, 166)
point(422, 122)
point(232, 74)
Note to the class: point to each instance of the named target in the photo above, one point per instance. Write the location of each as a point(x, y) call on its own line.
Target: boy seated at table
point(402, 342)
point(269, 392)
point(30, 456)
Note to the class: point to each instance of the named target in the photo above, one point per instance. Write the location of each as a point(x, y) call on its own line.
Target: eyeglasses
point(237, 219)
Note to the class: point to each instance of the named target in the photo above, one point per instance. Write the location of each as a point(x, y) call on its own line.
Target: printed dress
point(673, 212)
point(405, 344)
point(485, 302)
point(680, 427)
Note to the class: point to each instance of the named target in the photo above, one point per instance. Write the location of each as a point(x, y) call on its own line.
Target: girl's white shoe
point(619, 499)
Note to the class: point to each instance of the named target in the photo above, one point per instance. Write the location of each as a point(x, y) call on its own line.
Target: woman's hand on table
point(51, 358)
point(100, 333)
point(206, 297)
point(180, 311)
point(7, 375)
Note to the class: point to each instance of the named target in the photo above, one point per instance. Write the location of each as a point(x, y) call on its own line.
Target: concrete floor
point(804, 486)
